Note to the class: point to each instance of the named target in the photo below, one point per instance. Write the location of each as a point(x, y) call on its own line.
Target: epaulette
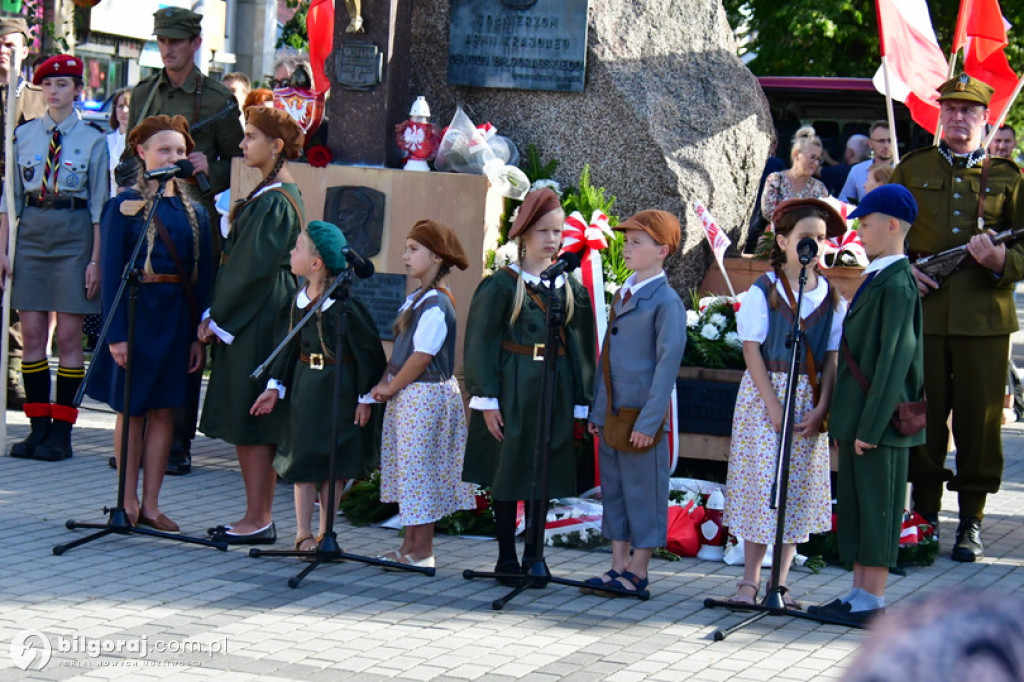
point(917, 152)
point(95, 125)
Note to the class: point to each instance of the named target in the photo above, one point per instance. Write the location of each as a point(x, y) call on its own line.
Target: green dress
point(251, 296)
point(303, 454)
point(515, 379)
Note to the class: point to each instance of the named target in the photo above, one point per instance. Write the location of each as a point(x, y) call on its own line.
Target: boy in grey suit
point(641, 356)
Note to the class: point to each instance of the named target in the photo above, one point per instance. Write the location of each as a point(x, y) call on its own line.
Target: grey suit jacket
point(646, 342)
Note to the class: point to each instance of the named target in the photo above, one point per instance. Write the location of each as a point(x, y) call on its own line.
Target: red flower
point(735, 306)
point(319, 156)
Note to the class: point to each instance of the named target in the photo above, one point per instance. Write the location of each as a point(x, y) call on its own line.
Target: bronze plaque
point(496, 44)
point(357, 65)
point(383, 294)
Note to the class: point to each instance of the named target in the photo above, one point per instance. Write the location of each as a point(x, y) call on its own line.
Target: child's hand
point(810, 425)
point(775, 413)
point(495, 424)
point(196, 357)
point(119, 351)
point(265, 403)
point(640, 440)
point(362, 414)
point(382, 392)
point(203, 333)
point(861, 447)
point(593, 429)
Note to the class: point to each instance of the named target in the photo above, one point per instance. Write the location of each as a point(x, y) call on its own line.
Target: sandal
point(740, 600)
point(787, 600)
point(630, 582)
point(599, 581)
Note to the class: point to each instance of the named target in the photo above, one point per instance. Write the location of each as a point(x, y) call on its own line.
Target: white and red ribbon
point(849, 243)
point(588, 240)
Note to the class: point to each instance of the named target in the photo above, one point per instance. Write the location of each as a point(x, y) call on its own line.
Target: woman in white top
point(119, 129)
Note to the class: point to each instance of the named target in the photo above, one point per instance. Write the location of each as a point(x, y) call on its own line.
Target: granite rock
point(669, 114)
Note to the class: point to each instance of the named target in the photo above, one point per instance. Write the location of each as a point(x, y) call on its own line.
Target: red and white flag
point(981, 33)
point(718, 239)
point(917, 66)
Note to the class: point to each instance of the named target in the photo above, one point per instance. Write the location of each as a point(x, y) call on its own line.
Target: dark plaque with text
point(357, 65)
point(501, 44)
point(383, 294)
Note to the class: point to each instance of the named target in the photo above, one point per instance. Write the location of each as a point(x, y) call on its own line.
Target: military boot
point(39, 417)
point(57, 445)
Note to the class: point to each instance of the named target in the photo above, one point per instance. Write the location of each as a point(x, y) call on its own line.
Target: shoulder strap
point(812, 370)
point(855, 370)
point(186, 282)
point(291, 200)
point(607, 349)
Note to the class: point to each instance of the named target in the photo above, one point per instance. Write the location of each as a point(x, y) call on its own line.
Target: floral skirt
point(748, 512)
point(422, 449)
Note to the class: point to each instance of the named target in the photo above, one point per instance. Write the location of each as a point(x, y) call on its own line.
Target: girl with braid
point(425, 424)
point(175, 283)
point(504, 338)
point(253, 290)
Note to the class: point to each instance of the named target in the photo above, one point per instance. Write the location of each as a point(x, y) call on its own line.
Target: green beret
point(9, 25)
point(966, 88)
point(329, 240)
point(177, 23)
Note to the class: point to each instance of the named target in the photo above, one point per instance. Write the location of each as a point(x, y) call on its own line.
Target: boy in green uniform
point(881, 364)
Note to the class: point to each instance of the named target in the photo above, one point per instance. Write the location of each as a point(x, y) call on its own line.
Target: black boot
point(179, 462)
point(968, 547)
point(57, 445)
point(40, 428)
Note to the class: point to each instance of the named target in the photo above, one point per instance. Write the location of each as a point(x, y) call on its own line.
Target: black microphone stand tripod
point(328, 549)
point(535, 570)
point(774, 603)
point(118, 522)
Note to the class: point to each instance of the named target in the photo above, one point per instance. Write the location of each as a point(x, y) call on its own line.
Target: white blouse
point(752, 318)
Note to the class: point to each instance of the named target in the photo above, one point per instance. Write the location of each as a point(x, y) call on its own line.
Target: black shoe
point(968, 547)
point(264, 536)
point(933, 521)
point(179, 462)
point(57, 444)
point(815, 609)
point(841, 612)
point(26, 449)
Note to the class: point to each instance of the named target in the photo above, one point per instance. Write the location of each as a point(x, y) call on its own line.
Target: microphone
point(362, 267)
point(182, 168)
point(202, 181)
point(806, 250)
point(567, 261)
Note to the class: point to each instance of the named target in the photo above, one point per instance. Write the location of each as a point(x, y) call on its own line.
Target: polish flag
point(320, 29)
point(981, 33)
point(917, 65)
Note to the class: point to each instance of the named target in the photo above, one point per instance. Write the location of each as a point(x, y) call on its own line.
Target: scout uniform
point(645, 346)
point(968, 319)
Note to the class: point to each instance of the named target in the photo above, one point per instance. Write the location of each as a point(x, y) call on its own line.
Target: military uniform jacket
point(303, 454)
point(972, 301)
point(198, 98)
point(83, 170)
point(515, 380)
point(883, 331)
point(646, 343)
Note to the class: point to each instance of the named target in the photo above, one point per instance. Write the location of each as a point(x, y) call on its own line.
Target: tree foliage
point(293, 33)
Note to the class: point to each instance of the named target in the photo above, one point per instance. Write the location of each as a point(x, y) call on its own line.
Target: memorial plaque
point(502, 44)
point(706, 406)
point(359, 212)
point(383, 294)
point(358, 65)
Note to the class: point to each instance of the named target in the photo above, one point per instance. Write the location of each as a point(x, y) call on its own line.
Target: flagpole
point(721, 267)
point(889, 112)
point(1006, 110)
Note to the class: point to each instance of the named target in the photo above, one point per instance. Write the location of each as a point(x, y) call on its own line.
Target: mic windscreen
point(572, 260)
point(363, 269)
point(187, 169)
point(806, 249)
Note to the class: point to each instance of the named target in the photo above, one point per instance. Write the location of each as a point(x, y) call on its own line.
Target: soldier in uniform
point(14, 39)
point(968, 318)
point(59, 190)
point(180, 88)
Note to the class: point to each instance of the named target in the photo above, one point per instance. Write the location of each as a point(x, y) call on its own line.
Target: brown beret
point(662, 226)
point(58, 65)
point(537, 204)
point(151, 125)
point(440, 239)
point(835, 226)
point(966, 88)
point(9, 25)
point(278, 123)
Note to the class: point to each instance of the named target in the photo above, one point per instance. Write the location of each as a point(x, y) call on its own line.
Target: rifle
point(944, 263)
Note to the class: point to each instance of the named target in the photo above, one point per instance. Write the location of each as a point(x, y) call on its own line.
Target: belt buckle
point(316, 361)
point(538, 352)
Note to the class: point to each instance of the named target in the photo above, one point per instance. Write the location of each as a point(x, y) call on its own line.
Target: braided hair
point(278, 165)
point(777, 258)
point(402, 321)
point(149, 196)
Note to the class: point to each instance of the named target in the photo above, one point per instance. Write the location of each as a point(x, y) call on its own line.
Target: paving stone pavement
point(204, 614)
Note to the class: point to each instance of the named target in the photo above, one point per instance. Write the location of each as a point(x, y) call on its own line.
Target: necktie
point(629, 295)
point(52, 163)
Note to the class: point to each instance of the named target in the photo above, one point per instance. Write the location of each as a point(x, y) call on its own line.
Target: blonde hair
point(520, 298)
point(805, 137)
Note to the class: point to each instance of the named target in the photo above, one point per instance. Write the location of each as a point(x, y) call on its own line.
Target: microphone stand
point(535, 570)
point(328, 549)
point(118, 522)
point(774, 603)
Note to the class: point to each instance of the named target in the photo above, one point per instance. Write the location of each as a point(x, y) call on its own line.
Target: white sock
point(865, 601)
point(850, 596)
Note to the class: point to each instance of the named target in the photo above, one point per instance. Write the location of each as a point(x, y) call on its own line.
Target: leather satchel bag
point(908, 418)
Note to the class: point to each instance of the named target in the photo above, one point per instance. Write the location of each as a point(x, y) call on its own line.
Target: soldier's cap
point(151, 125)
point(58, 65)
point(177, 23)
point(329, 240)
point(537, 204)
point(966, 88)
point(891, 200)
point(440, 239)
point(662, 226)
point(835, 226)
point(278, 123)
point(9, 25)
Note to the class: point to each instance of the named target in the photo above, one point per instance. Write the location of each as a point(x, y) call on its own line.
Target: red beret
point(58, 65)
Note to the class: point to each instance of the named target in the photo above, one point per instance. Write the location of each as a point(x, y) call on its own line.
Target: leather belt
point(536, 351)
point(74, 203)
point(147, 278)
point(319, 360)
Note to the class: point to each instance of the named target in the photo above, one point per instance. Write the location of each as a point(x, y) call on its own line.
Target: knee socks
point(36, 377)
point(68, 381)
point(505, 525)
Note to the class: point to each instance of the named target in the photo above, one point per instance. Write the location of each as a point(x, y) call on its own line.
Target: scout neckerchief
point(52, 163)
